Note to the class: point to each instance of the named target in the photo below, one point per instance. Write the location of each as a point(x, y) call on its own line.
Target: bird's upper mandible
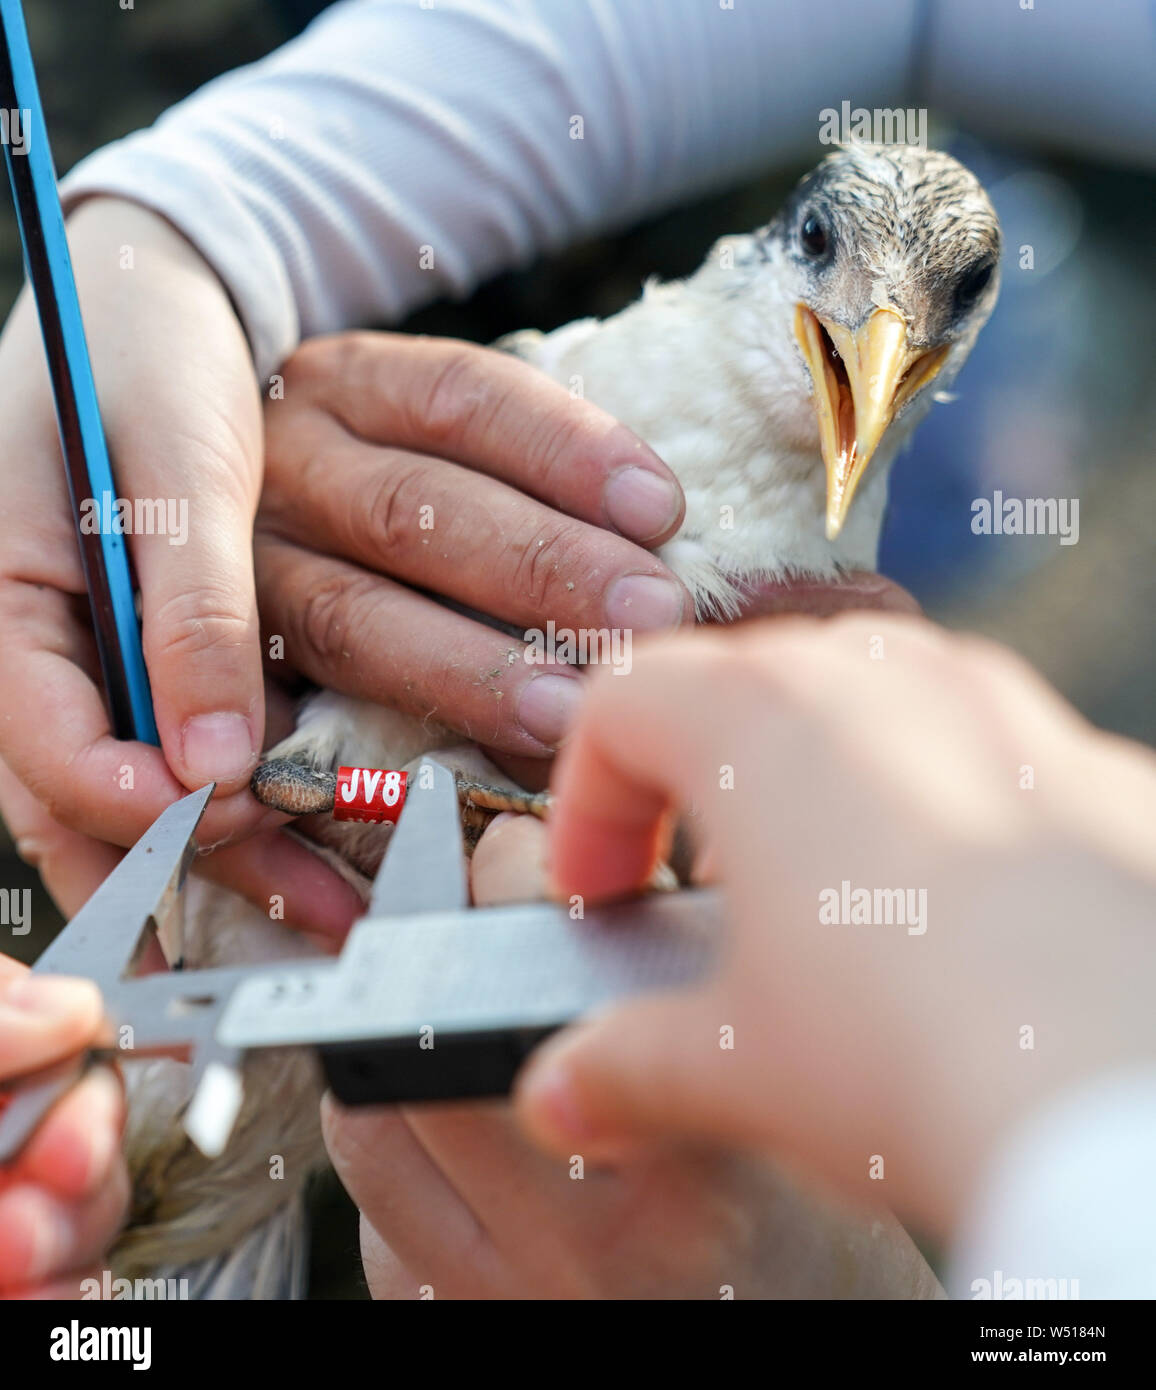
point(892, 257)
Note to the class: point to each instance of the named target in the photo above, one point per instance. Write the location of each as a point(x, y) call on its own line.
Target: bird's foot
point(300, 790)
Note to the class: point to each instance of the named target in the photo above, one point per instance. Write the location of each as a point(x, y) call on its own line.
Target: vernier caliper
point(430, 998)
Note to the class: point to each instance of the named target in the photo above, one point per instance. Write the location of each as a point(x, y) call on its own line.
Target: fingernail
point(639, 503)
point(37, 1235)
point(217, 748)
point(548, 706)
point(644, 603)
point(52, 1239)
point(54, 995)
point(104, 1138)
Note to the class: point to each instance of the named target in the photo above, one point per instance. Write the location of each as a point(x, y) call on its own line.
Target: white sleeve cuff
point(1068, 1207)
point(216, 218)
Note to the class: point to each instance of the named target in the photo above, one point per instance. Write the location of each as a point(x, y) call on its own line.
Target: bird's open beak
point(862, 379)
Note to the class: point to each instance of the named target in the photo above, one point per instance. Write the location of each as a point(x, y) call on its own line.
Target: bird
point(818, 338)
point(779, 382)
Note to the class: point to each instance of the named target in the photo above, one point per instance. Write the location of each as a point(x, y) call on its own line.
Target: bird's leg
point(486, 797)
point(300, 790)
point(482, 801)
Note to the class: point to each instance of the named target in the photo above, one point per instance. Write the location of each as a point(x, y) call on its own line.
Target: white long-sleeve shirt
point(312, 180)
point(402, 150)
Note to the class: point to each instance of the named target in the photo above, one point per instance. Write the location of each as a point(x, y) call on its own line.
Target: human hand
point(181, 408)
point(63, 1199)
point(396, 464)
point(879, 752)
point(455, 1201)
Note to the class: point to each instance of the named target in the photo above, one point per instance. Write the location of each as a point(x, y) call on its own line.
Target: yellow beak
point(861, 381)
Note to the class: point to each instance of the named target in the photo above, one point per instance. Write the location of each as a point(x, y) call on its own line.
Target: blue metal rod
point(103, 553)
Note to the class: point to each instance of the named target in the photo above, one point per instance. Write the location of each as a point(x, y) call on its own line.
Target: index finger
point(498, 415)
point(634, 754)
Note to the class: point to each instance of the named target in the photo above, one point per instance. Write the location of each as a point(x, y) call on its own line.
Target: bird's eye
point(973, 285)
point(813, 237)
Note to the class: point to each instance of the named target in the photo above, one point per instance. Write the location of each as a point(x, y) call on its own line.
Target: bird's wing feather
point(268, 1264)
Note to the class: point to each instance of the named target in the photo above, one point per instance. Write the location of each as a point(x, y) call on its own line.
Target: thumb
point(198, 594)
point(202, 644)
point(656, 1068)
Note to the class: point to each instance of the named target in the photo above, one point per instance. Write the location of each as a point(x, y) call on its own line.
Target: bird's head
point(885, 265)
